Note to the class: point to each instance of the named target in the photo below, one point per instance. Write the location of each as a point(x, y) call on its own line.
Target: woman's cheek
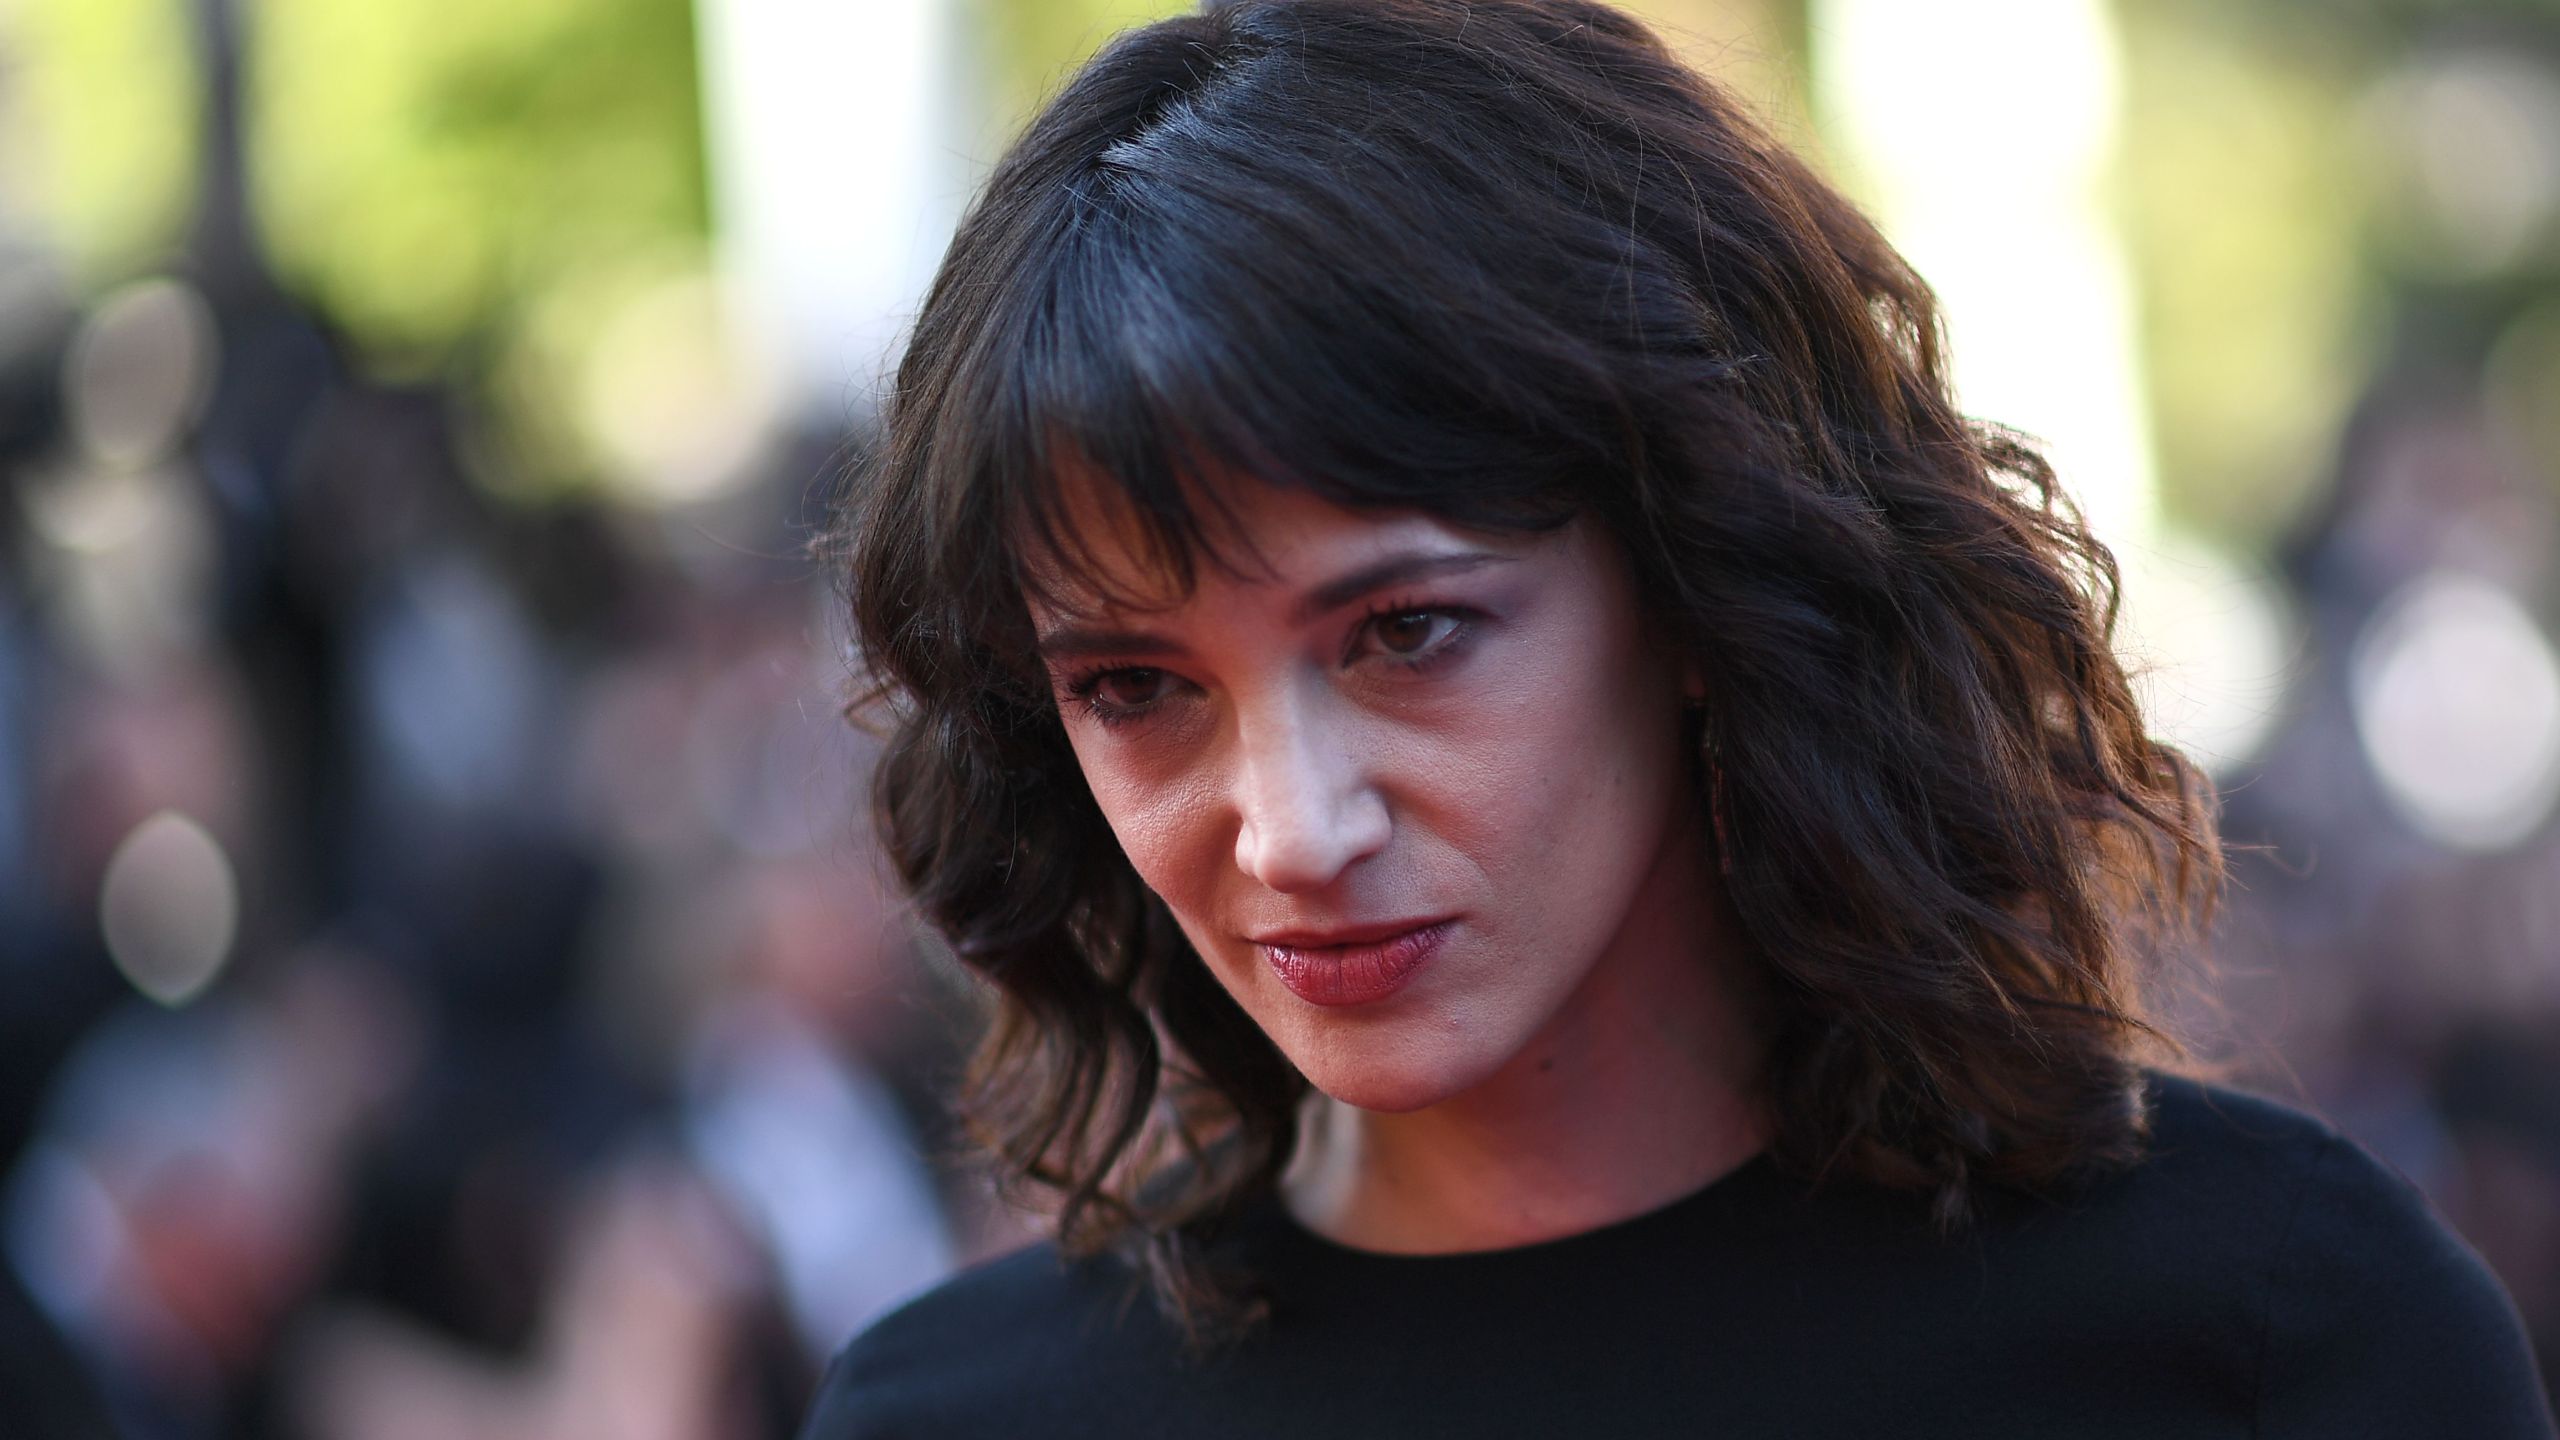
point(1165, 825)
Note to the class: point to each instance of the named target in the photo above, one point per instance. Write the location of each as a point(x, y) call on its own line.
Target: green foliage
point(2242, 202)
point(1029, 46)
point(101, 123)
point(427, 170)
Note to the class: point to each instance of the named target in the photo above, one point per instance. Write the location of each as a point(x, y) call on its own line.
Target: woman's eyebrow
point(1093, 642)
point(1394, 570)
point(1103, 642)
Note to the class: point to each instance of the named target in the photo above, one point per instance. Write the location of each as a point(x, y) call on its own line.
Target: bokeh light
point(169, 907)
point(2213, 649)
point(139, 370)
point(2458, 703)
point(2470, 138)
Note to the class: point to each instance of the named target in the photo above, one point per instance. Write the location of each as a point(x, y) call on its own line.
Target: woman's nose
point(1308, 811)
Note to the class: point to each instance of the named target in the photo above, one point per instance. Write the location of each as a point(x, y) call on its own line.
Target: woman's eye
point(1129, 689)
point(1410, 634)
point(1119, 696)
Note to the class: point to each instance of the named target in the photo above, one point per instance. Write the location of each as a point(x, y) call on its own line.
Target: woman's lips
point(1357, 973)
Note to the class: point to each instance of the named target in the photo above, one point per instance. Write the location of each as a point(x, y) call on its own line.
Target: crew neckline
point(1724, 1190)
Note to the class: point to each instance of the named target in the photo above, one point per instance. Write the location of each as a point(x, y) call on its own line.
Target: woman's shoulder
point(2257, 1189)
point(1030, 1326)
point(2218, 1156)
point(2367, 1304)
point(2212, 1142)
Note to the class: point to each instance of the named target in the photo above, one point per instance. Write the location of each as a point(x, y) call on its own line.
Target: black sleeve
point(838, 1412)
point(999, 1350)
point(903, 1378)
point(2381, 1323)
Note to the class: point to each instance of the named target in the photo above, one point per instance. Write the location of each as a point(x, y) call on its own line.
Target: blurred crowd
point(447, 987)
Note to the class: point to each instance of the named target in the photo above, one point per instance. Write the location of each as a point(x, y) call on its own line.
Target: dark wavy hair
point(1509, 262)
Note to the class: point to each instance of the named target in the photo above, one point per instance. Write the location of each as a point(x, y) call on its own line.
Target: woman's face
point(1408, 789)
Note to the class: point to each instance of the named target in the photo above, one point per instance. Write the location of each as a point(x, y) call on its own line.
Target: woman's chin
point(1390, 1087)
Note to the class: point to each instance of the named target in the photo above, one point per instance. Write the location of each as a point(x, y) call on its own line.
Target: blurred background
point(446, 987)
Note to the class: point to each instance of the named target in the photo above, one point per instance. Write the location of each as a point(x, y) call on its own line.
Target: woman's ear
point(1693, 683)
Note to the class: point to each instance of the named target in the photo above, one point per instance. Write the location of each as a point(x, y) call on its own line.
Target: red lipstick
point(1352, 967)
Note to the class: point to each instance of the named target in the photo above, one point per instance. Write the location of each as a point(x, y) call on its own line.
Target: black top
point(2258, 1275)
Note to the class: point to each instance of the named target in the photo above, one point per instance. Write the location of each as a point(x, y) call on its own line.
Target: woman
point(1556, 837)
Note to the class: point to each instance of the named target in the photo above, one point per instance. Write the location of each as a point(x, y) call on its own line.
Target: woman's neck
point(1641, 1091)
